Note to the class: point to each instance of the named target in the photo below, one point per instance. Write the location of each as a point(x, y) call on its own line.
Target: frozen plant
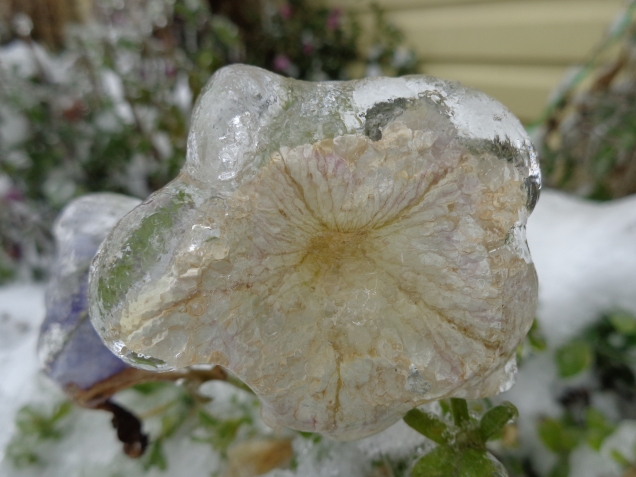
point(71, 352)
point(350, 250)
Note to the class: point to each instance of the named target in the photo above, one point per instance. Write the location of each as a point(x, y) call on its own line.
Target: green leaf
point(494, 420)
point(208, 420)
point(573, 357)
point(155, 457)
point(61, 411)
point(620, 459)
point(221, 433)
point(311, 436)
point(427, 425)
point(623, 322)
point(444, 461)
point(561, 468)
point(31, 421)
point(598, 429)
point(445, 405)
point(440, 462)
point(459, 409)
point(19, 451)
point(150, 388)
point(557, 436)
point(536, 338)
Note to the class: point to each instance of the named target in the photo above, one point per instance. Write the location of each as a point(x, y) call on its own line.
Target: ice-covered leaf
point(494, 420)
point(428, 425)
point(445, 461)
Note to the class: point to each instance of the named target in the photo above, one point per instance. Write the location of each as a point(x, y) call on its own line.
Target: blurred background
point(96, 95)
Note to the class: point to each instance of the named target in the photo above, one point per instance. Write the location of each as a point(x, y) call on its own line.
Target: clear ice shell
point(70, 351)
point(350, 250)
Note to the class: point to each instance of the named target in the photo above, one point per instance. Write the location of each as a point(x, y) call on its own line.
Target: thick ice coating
point(350, 250)
point(70, 351)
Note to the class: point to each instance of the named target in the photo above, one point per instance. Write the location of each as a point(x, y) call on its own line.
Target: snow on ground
point(21, 311)
point(585, 256)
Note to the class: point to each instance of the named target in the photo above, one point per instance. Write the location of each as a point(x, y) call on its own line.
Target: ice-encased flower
point(71, 352)
point(350, 250)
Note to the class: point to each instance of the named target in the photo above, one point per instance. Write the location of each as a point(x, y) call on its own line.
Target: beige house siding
point(515, 50)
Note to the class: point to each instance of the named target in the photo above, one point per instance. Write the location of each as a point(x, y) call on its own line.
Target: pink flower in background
point(14, 195)
point(281, 62)
point(285, 11)
point(170, 69)
point(333, 21)
point(308, 48)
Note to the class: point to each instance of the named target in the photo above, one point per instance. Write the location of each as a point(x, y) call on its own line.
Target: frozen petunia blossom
point(71, 352)
point(350, 250)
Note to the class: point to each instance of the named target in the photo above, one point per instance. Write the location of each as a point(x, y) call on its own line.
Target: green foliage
point(606, 350)
point(598, 428)
point(561, 468)
point(623, 322)
point(428, 425)
point(565, 434)
point(313, 43)
point(573, 358)
point(494, 420)
point(620, 459)
point(315, 438)
point(176, 413)
point(155, 456)
point(459, 410)
point(444, 462)
point(560, 436)
point(535, 337)
point(150, 388)
point(394, 467)
point(33, 427)
point(461, 449)
point(440, 462)
point(220, 433)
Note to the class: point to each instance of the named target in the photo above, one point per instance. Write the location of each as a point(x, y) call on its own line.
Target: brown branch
point(102, 391)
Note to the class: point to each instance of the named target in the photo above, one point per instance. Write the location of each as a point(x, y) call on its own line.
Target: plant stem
point(459, 409)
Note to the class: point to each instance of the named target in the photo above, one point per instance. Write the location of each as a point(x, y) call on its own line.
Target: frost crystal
point(350, 250)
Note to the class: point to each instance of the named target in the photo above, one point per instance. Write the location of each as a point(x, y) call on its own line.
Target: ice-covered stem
point(101, 392)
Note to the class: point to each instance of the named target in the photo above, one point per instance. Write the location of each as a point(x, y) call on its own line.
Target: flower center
point(332, 247)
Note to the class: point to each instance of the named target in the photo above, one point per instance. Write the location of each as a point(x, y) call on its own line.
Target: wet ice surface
point(70, 350)
point(604, 252)
point(350, 250)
